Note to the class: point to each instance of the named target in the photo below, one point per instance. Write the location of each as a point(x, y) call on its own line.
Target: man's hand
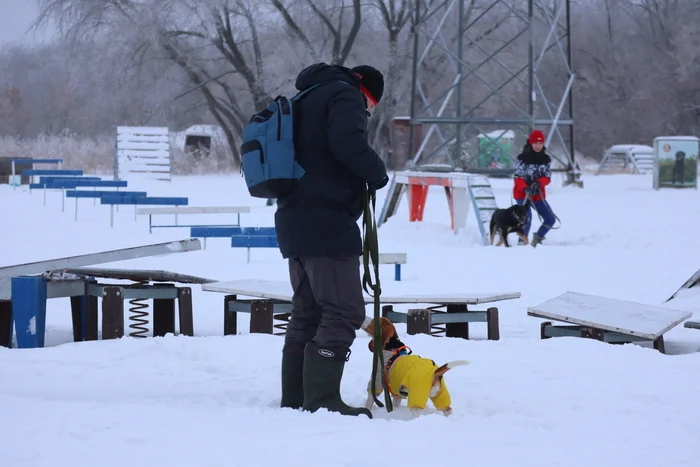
point(379, 184)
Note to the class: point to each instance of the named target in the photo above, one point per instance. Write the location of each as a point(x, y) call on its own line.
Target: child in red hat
point(533, 171)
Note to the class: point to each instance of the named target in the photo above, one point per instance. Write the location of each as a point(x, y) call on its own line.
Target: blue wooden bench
point(46, 183)
point(95, 194)
point(241, 237)
point(37, 172)
point(59, 162)
point(73, 183)
point(49, 179)
point(140, 201)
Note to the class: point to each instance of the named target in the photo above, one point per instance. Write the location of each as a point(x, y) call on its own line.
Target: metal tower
point(485, 73)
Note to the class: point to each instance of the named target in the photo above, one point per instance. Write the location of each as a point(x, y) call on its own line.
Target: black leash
point(370, 252)
point(528, 197)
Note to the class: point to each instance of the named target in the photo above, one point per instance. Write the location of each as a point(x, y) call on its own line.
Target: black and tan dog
point(509, 220)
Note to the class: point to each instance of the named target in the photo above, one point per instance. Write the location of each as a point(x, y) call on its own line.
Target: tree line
point(182, 62)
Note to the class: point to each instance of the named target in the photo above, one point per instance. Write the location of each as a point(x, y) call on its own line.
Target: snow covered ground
point(213, 401)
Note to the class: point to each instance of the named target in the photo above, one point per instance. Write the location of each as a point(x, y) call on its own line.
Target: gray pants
point(327, 305)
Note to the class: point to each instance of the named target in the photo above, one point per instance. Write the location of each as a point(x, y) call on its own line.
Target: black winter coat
point(319, 218)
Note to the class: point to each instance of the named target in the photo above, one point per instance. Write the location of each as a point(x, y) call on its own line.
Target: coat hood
point(322, 72)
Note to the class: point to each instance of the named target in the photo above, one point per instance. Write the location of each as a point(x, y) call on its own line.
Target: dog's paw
point(447, 412)
point(416, 412)
point(396, 401)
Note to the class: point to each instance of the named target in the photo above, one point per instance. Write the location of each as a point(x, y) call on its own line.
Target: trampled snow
point(211, 400)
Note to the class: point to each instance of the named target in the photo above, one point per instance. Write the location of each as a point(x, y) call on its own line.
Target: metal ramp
point(634, 158)
point(483, 202)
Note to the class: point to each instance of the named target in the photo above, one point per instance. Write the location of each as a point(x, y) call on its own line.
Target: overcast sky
point(15, 18)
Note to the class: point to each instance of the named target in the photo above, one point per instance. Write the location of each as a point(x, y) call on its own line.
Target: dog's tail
point(456, 363)
point(449, 365)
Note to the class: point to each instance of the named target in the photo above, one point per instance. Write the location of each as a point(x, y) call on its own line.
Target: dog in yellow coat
point(408, 376)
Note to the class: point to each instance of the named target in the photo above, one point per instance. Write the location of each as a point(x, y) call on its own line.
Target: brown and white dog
point(407, 376)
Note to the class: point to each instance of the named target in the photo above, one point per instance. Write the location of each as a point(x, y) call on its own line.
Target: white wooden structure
point(607, 319)
point(189, 210)
point(634, 158)
point(142, 151)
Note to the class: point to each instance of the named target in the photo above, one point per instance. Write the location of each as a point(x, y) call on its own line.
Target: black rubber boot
point(292, 375)
point(323, 370)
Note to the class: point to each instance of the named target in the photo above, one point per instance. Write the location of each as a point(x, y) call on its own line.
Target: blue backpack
point(268, 158)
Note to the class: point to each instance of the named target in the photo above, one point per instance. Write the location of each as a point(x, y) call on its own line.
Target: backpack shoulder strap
point(302, 93)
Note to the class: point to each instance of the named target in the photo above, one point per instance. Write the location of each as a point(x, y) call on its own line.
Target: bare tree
point(332, 15)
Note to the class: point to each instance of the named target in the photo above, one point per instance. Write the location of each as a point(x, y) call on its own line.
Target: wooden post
point(184, 301)
point(112, 313)
point(492, 325)
point(418, 321)
point(457, 329)
point(5, 323)
point(261, 318)
point(230, 317)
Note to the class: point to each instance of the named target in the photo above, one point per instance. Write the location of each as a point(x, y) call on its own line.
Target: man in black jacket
point(317, 231)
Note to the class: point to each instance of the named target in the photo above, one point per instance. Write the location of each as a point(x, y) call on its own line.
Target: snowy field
point(213, 401)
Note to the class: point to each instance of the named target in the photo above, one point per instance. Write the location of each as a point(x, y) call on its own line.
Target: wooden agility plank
point(282, 290)
point(39, 267)
point(610, 314)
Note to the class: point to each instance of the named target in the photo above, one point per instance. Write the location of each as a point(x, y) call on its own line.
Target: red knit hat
point(536, 137)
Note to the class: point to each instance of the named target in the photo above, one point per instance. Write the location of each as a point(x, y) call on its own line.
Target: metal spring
point(138, 318)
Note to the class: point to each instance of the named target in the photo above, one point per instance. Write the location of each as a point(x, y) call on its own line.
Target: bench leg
point(91, 319)
point(113, 313)
point(184, 302)
point(397, 272)
point(659, 344)
point(386, 309)
point(457, 329)
point(543, 329)
point(261, 316)
point(29, 310)
point(230, 317)
point(5, 323)
point(492, 326)
point(163, 316)
point(78, 307)
point(418, 321)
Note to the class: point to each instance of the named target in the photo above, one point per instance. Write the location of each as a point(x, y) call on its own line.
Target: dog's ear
point(388, 331)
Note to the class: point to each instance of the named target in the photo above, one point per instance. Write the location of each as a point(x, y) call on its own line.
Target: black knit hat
point(371, 80)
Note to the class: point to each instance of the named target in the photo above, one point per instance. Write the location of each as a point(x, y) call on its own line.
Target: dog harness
point(401, 351)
